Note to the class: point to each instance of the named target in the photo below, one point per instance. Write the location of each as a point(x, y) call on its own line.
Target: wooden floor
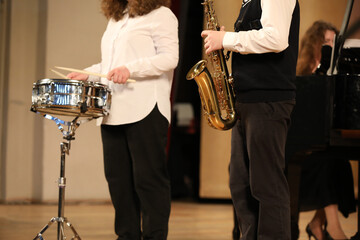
point(188, 221)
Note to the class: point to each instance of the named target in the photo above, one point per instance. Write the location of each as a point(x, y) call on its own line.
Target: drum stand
point(64, 148)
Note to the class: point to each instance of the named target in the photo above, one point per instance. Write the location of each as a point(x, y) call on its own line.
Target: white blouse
point(148, 46)
point(272, 37)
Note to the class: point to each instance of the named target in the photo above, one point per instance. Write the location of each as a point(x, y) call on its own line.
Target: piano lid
point(345, 57)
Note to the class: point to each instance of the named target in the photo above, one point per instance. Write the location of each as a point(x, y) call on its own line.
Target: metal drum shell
point(71, 98)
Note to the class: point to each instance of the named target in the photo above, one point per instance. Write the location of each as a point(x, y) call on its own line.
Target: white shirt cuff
point(229, 41)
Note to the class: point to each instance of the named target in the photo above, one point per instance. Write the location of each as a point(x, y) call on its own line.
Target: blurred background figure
point(315, 48)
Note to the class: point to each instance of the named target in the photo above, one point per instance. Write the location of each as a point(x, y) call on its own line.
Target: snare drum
point(71, 98)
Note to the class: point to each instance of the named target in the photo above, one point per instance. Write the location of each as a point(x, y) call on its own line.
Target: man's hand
point(213, 39)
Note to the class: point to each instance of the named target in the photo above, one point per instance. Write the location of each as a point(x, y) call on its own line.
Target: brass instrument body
point(216, 92)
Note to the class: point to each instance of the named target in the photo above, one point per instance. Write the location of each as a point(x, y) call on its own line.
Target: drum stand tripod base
point(64, 147)
point(60, 222)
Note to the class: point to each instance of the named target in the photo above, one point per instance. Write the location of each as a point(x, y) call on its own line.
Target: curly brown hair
point(115, 8)
point(310, 46)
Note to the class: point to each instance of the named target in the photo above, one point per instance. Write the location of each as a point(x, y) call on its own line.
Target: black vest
point(265, 77)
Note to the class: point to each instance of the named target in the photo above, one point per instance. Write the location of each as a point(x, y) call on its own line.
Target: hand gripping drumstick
point(89, 73)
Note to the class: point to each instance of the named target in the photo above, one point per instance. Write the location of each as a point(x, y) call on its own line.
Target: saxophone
point(216, 92)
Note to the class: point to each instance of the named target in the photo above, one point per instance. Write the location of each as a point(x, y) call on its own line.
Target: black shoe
point(310, 233)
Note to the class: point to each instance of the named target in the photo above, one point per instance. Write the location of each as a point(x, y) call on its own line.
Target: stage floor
point(188, 221)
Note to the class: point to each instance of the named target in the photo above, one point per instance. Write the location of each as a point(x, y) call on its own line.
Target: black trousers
point(136, 172)
point(258, 184)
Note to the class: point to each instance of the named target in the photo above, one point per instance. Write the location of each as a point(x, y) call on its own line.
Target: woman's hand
point(213, 39)
point(119, 75)
point(77, 76)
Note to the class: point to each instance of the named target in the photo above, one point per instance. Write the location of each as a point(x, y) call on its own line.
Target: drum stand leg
point(61, 220)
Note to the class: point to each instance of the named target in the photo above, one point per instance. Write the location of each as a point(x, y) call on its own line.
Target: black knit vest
point(265, 77)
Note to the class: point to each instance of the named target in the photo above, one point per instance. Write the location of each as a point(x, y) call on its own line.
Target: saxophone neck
point(212, 22)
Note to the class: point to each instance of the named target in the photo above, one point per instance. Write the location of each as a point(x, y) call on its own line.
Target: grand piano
point(327, 112)
point(323, 120)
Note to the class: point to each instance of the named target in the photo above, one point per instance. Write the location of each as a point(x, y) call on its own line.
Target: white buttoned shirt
point(148, 46)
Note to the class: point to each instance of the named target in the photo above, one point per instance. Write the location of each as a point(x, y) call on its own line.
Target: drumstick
point(60, 74)
point(87, 72)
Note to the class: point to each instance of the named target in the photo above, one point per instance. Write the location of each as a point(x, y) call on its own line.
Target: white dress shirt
point(272, 37)
point(148, 46)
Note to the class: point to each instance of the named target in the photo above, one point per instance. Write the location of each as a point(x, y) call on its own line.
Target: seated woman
point(326, 182)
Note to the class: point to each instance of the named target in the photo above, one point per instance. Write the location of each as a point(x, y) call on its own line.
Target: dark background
point(184, 141)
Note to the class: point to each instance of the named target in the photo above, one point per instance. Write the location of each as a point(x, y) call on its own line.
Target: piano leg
point(294, 177)
point(357, 235)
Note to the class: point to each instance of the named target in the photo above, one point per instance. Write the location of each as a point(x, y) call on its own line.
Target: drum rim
point(71, 111)
point(61, 80)
point(50, 80)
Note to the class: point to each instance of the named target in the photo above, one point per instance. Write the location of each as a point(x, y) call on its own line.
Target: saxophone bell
point(218, 118)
